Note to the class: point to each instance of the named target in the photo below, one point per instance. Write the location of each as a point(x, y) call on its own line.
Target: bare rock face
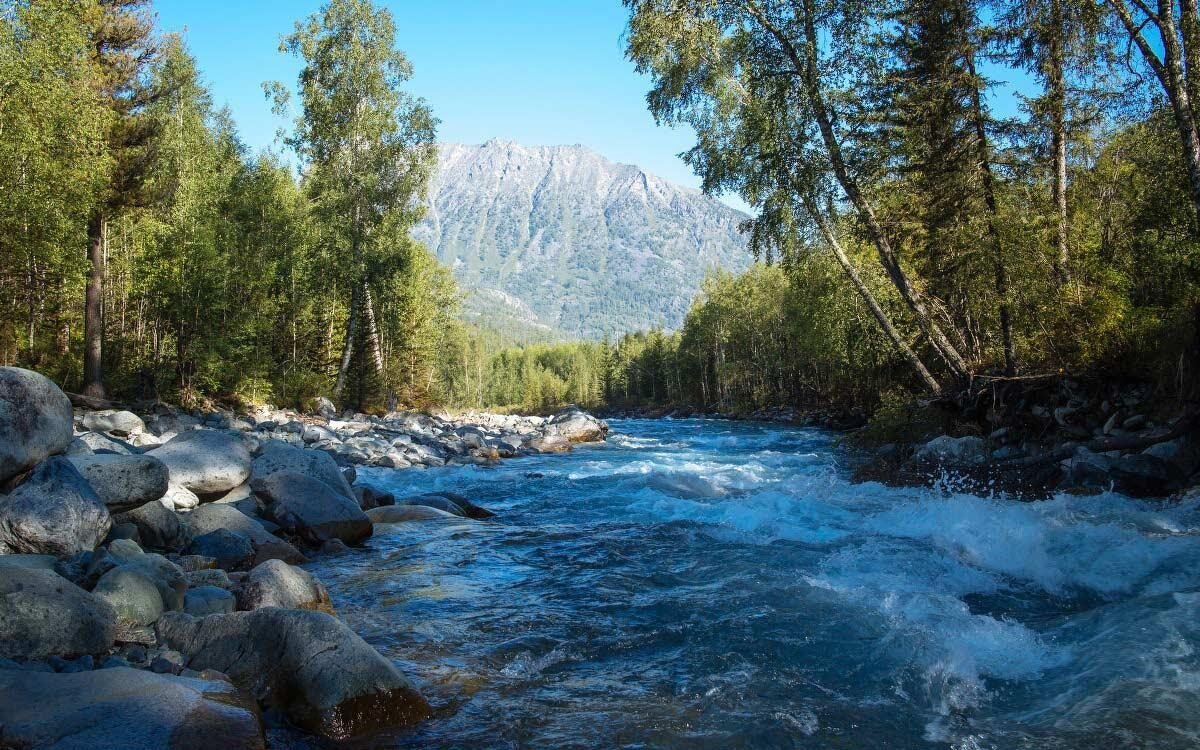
point(35, 420)
point(43, 614)
point(205, 461)
point(55, 511)
point(122, 707)
point(306, 664)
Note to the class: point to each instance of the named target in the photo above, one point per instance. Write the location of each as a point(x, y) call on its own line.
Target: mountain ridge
point(590, 246)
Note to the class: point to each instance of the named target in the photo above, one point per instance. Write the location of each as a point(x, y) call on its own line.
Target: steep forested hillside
point(591, 247)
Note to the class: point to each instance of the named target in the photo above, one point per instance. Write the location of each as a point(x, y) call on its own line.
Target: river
point(711, 584)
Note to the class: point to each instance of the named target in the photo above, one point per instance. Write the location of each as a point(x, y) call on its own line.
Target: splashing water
point(701, 584)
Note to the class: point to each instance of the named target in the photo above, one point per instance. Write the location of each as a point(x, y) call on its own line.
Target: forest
point(920, 222)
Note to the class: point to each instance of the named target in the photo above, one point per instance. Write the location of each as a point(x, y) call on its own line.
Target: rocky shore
point(150, 594)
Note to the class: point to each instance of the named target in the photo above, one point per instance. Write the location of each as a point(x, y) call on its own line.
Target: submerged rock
point(307, 664)
point(119, 707)
point(405, 513)
point(54, 512)
point(36, 420)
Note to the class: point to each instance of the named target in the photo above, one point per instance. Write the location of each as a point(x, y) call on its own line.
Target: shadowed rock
point(54, 512)
point(304, 663)
point(309, 508)
point(43, 614)
point(36, 420)
point(127, 708)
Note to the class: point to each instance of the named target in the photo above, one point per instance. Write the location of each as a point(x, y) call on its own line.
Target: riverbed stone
point(36, 420)
point(43, 614)
point(116, 422)
point(276, 584)
point(213, 516)
point(319, 465)
point(577, 426)
point(179, 498)
point(123, 482)
point(55, 511)
point(203, 601)
point(205, 461)
point(120, 707)
point(132, 595)
point(230, 549)
point(166, 576)
point(157, 526)
point(309, 508)
point(304, 663)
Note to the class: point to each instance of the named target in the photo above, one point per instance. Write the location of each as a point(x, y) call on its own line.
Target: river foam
point(708, 584)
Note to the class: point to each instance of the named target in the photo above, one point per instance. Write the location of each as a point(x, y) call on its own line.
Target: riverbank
point(1025, 437)
point(149, 582)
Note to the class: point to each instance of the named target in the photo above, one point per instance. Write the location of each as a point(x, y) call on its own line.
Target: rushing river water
point(703, 584)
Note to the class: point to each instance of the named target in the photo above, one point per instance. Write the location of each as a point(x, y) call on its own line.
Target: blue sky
point(541, 72)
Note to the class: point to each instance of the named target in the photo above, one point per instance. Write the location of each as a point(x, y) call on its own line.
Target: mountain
point(560, 237)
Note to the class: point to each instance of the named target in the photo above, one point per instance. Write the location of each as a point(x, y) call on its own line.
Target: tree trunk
point(93, 314)
point(872, 304)
point(1055, 64)
point(806, 68)
point(989, 198)
point(348, 345)
point(372, 330)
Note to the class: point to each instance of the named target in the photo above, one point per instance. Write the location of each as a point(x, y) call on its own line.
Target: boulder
point(179, 498)
point(577, 426)
point(304, 663)
point(203, 601)
point(104, 444)
point(440, 502)
point(132, 595)
point(157, 526)
point(325, 408)
point(36, 420)
point(122, 707)
point(317, 464)
point(205, 461)
point(54, 512)
point(950, 450)
point(43, 562)
point(277, 584)
point(1182, 453)
point(242, 498)
point(371, 497)
point(123, 482)
point(122, 423)
point(230, 549)
point(309, 508)
point(461, 504)
point(166, 576)
point(404, 513)
point(208, 518)
point(208, 577)
point(43, 614)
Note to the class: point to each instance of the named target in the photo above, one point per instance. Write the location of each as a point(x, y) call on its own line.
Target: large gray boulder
point(319, 465)
point(577, 426)
point(132, 595)
point(122, 707)
point(36, 420)
point(55, 511)
point(277, 584)
point(100, 443)
point(215, 516)
point(122, 423)
point(123, 482)
point(157, 526)
point(203, 601)
point(43, 614)
point(166, 576)
point(308, 508)
point(306, 664)
point(205, 461)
